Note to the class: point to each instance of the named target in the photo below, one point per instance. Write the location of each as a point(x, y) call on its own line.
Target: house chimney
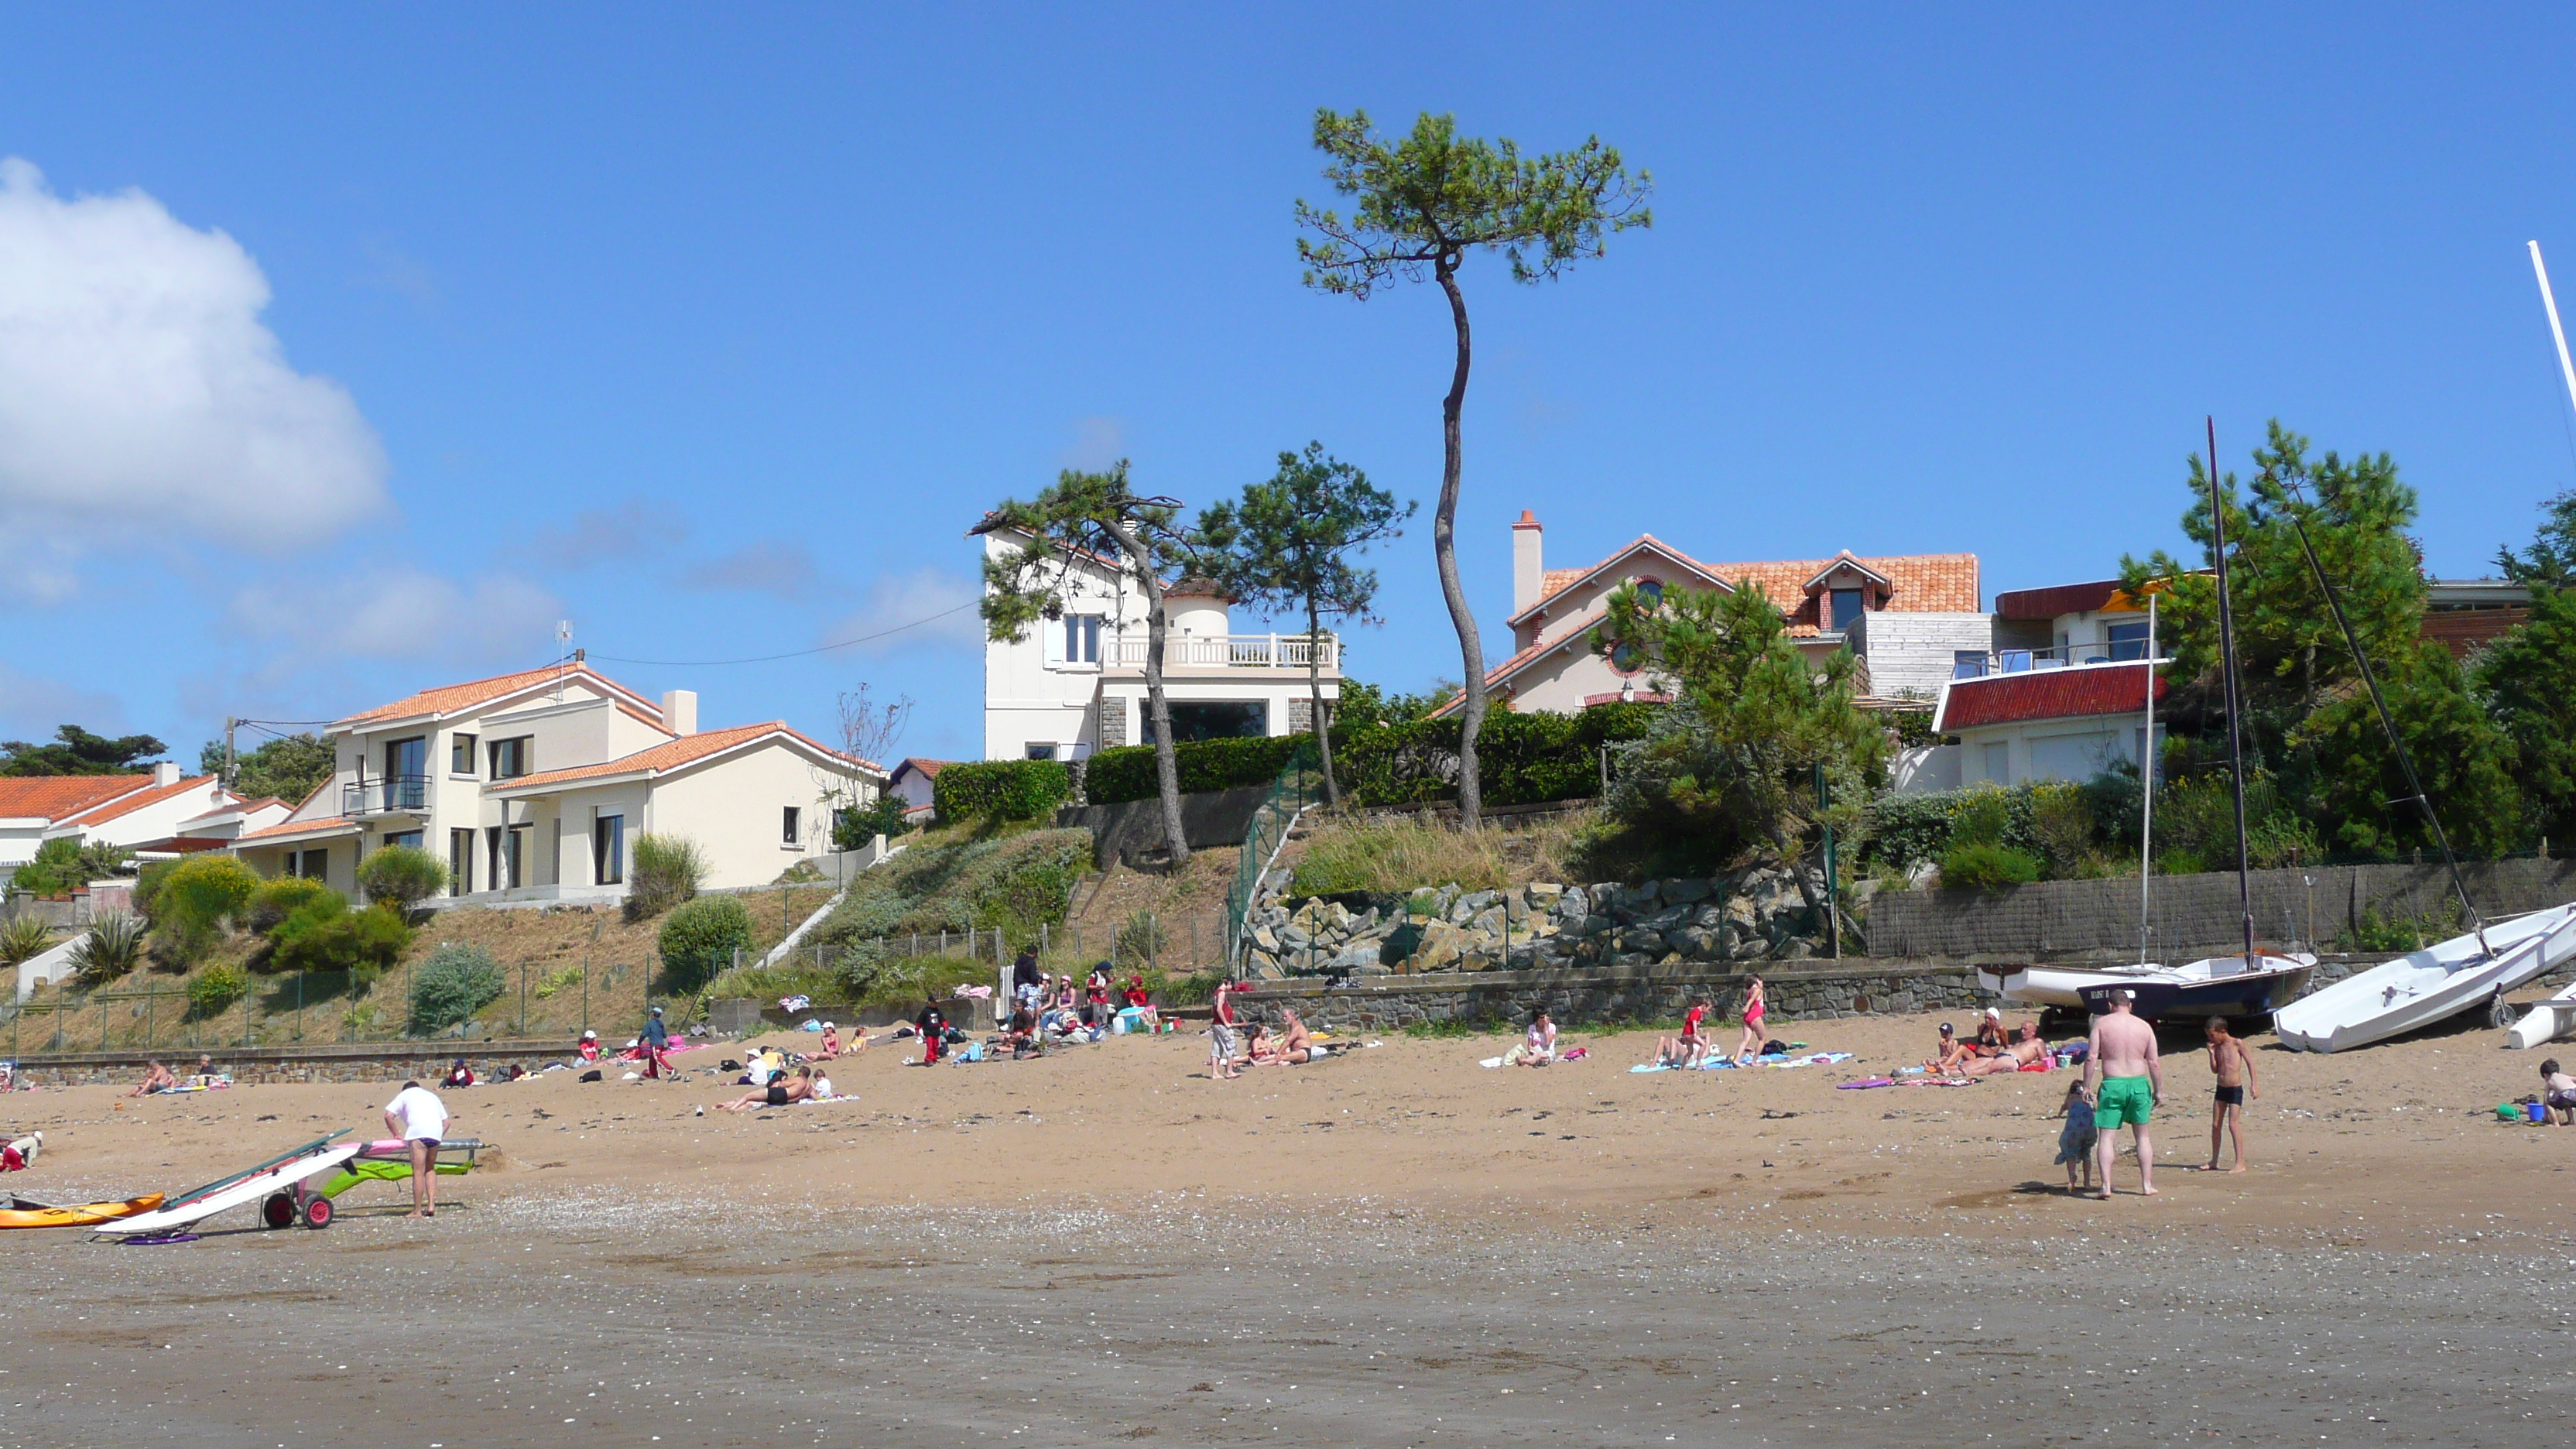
point(1528, 575)
point(165, 772)
point(680, 711)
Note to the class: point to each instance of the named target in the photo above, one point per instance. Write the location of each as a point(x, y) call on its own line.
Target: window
point(1626, 657)
point(2128, 641)
point(510, 758)
point(789, 835)
point(1041, 752)
point(460, 755)
point(608, 849)
point(1967, 663)
point(1218, 721)
point(311, 864)
point(460, 856)
point(1846, 609)
point(407, 773)
point(1082, 638)
point(409, 838)
point(1652, 591)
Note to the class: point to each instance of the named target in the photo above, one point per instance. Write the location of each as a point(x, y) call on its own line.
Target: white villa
point(533, 786)
point(1911, 619)
point(1076, 683)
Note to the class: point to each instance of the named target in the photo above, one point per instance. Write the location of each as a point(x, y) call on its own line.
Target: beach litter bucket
point(2538, 1112)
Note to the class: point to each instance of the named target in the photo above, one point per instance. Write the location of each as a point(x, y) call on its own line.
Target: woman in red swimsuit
point(1751, 1046)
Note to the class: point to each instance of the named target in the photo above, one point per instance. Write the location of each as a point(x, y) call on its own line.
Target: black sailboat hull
point(2246, 993)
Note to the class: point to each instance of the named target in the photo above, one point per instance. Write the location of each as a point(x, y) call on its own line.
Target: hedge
point(1522, 759)
point(1127, 773)
point(1001, 789)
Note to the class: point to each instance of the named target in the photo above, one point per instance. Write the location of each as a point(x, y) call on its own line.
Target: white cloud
point(32, 707)
point(1097, 443)
point(606, 535)
point(945, 600)
point(138, 388)
point(767, 566)
point(405, 614)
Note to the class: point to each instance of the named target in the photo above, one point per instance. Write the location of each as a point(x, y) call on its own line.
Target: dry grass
point(1391, 854)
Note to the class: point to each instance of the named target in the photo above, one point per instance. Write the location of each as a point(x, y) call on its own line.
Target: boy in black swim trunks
point(2234, 1068)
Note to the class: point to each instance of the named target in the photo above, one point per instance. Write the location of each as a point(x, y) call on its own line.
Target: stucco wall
point(732, 806)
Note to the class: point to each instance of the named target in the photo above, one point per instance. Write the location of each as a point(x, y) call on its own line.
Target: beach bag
point(591, 1076)
point(1775, 1049)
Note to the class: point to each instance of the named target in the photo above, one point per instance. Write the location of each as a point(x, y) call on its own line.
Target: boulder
point(1682, 892)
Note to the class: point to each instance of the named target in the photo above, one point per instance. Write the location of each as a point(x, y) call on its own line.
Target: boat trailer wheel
point(317, 1211)
point(277, 1210)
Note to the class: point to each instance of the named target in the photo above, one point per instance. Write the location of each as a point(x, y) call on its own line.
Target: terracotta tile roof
point(128, 804)
point(1922, 583)
point(926, 769)
point(54, 797)
point(685, 750)
point(449, 698)
point(2073, 693)
point(1494, 677)
point(324, 825)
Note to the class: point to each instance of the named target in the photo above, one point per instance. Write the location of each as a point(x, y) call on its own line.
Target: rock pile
point(1750, 915)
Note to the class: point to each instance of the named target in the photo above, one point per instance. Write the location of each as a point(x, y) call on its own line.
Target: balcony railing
point(385, 795)
point(2019, 661)
point(1230, 651)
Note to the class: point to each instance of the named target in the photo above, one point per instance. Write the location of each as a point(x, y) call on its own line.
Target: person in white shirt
point(417, 1117)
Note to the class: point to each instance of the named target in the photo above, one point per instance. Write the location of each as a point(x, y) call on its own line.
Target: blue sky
point(711, 330)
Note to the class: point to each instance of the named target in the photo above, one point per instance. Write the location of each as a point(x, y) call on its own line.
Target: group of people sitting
point(1992, 1051)
point(159, 1079)
point(1233, 1046)
point(1693, 1048)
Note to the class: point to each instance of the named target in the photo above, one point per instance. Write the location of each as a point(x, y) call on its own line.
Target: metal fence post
point(523, 998)
point(299, 1006)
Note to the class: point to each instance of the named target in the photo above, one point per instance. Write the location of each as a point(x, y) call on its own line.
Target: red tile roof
point(323, 825)
point(54, 797)
point(685, 750)
point(128, 804)
point(1923, 583)
point(449, 698)
point(2038, 694)
point(926, 769)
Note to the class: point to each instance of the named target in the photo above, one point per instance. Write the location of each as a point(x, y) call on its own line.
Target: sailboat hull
point(2423, 987)
point(2196, 992)
point(2545, 1022)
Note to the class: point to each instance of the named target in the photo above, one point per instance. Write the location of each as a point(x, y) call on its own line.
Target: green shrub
point(1521, 759)
point(1127, 773)
point(699, 938)
point(214, 989)
point(668, 869)
point(453, 984)
point(1141, 939)
point(1016, 884)
point(275, 900)
point(1001, 789)
point(564, 980)
point(853, 829)
point(401, 876)
point(323, 934)
point(194, 901)
point(147, 887)
point(22, 937)
point(63, 865)
point(111, 947)
point(2062, 825)
point(1976, 865)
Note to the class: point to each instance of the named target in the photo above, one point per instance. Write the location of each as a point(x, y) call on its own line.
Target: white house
point(533, 786)
point(1908, 618)
point(914, 782)
point(2088, 623)
point(1076, 683)
point(140, 812)
point(2048, 722)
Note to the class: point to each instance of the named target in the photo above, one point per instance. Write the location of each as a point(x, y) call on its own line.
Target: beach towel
point(1865, 1084)
point(1820, 1059)
point(974, 993)
point(1640, 1067)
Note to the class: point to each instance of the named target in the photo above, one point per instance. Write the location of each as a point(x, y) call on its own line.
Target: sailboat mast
point(2566, 369)
point(2147, 787)
point(2227, 666)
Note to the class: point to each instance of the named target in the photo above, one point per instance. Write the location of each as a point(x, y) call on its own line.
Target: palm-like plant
point(113, 947)
point(22, 937)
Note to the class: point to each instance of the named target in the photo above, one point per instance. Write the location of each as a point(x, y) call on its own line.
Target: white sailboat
point(2545, 1022)
point(2423, 987)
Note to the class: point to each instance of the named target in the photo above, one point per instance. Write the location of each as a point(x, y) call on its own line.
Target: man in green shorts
point(2127, 1081)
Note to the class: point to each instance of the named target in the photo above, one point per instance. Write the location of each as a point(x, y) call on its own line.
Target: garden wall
point(359, 1062)
point(2193, 915)
point(1210, 820)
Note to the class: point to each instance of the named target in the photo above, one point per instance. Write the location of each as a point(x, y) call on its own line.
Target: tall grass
point(668, 869)
point(1392, 854)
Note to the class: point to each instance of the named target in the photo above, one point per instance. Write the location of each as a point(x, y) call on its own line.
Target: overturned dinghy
point(2423, 987)
point(2545, 1022)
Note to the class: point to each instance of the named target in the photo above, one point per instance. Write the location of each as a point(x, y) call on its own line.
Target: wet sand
point(1396, 1248)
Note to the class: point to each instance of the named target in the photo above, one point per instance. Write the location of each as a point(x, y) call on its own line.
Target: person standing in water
point(2234, 1068)
point(2127, 1081)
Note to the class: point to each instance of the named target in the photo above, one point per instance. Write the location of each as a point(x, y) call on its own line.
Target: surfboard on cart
point(28, 1213)
point(251, 1185)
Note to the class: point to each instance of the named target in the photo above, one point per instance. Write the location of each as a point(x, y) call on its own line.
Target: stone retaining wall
point(357, 1062)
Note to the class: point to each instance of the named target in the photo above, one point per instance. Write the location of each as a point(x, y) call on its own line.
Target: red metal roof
point(2059, 599)
point(2085, 689)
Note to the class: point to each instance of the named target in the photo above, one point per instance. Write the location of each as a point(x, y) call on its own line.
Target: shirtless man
point(2026, 1050)
point(777, 1094)
point(2127, 1081)
point(156, 1080)
point(2234, 1069)
point(1296, 1043)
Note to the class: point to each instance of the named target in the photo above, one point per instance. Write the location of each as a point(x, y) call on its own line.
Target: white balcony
point(1230, 651)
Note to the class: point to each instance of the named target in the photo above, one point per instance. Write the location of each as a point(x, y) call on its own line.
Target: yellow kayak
point(78, 1216)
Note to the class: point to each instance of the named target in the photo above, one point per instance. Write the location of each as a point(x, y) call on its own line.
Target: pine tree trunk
point(1444, 548)
point(1315, 688)
point(1158, 710)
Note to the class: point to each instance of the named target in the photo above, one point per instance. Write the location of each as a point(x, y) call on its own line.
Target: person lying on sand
point(2026, 1051)
point(156, 1080)
point(776, 1094)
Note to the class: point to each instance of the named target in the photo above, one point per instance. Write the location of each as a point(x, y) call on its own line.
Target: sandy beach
point(1395, 1247)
